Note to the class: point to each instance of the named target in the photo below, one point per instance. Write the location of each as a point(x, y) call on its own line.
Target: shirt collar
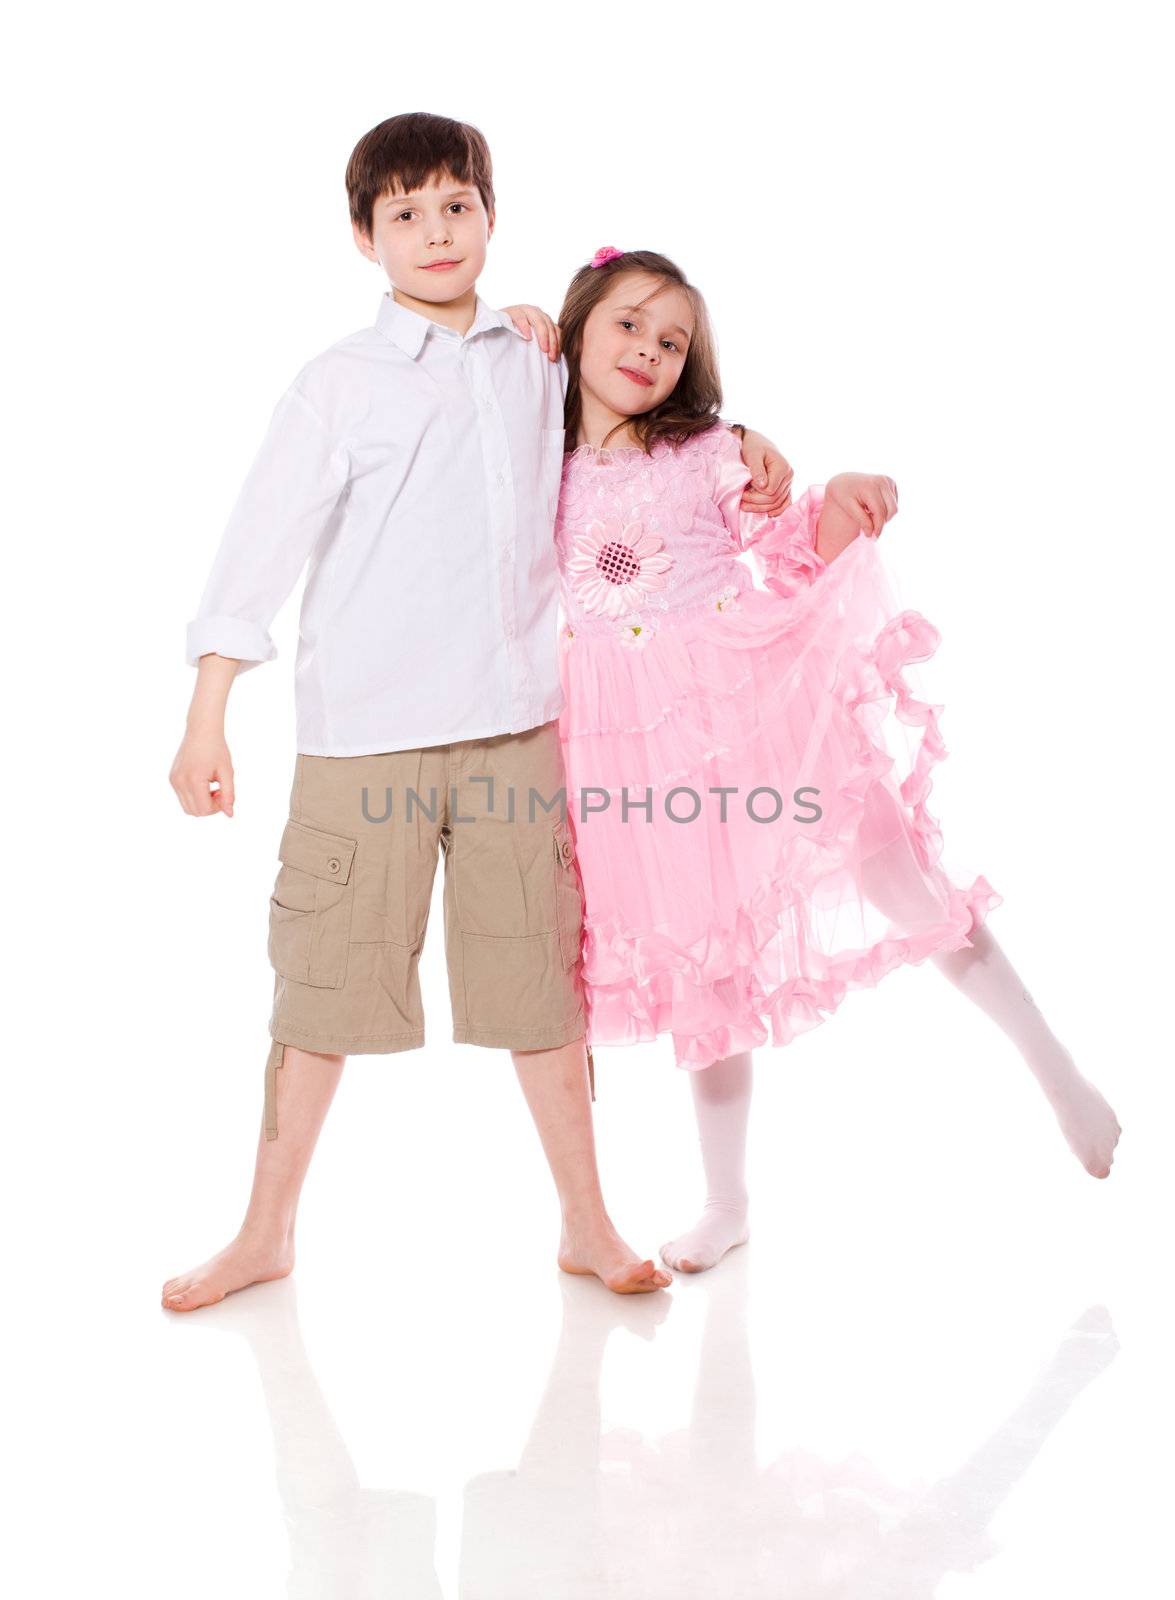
point(409, 330)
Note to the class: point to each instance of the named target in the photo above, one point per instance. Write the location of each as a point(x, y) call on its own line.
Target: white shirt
point(418, 471)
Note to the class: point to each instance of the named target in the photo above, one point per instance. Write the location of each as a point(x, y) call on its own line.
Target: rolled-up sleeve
point(285, 505)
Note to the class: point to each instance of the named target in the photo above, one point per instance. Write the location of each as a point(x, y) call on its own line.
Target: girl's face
point(635, 342)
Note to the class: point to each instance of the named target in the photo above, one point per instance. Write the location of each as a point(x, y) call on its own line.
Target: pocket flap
point(323, 855)
point(564, 844)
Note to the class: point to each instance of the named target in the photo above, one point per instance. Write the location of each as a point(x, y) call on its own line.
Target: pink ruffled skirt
point(738, 919)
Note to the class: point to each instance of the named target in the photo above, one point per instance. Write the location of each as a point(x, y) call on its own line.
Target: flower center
point(617, 563)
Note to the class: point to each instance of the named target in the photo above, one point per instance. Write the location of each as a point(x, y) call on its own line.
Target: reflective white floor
point(941, 1366)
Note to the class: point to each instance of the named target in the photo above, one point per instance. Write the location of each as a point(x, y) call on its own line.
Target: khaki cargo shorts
point(350, 903)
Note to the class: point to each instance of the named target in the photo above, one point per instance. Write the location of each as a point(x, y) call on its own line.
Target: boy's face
point(635, 342)
point(430, 243)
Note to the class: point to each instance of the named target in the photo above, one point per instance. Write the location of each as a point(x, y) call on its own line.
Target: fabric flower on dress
point(612, 568)
point(726, 599)
point(633, 633)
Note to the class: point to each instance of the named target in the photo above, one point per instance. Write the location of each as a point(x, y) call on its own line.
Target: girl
point(748, 804)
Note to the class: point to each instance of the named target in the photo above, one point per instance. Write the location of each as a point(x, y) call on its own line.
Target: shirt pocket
point(310, 908)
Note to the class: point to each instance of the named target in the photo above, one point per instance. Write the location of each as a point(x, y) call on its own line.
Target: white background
point(933, 241)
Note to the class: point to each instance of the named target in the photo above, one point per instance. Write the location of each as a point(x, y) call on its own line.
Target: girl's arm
point(784, 546)
point(526, 317)
point(769, 490)
point(794, 548)
point(854, 503)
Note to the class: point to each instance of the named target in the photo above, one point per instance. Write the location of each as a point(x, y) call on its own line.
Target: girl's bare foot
point(720, 1228)
point(594, 1246)
point(248, 1259)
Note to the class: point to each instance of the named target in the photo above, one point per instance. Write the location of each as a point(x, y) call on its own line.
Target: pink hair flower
point(606, 253)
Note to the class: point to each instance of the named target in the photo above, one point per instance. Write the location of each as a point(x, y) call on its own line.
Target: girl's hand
point(865, 498)
point(769, 490)
point(525, 318)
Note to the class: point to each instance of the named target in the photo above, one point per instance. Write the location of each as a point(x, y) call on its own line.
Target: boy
point(416, 465)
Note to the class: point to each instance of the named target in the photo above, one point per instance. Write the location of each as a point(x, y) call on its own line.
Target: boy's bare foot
point(246, 1260)
point(719, 1229)
point(596, 1247)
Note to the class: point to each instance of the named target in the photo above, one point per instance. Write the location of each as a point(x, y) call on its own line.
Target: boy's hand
point(202, 759)
point(769, 490)
point(866, 498)
point(525, 318)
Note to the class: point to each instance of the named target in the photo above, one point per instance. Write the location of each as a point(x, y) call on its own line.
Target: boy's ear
point(363, 242)
point(493, 217)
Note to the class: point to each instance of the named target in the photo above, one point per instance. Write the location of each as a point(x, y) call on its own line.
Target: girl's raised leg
point(983, 973)
point(722, 1104)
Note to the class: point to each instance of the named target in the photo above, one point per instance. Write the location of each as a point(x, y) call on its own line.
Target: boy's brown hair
point(694, 404)
point(407, 151)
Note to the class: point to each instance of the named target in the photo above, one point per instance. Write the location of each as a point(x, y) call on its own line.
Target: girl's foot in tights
point(985, 975)
point(722, 1102)
point(982, 972)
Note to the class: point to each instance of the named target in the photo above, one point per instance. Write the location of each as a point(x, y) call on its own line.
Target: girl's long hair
point(694, 404)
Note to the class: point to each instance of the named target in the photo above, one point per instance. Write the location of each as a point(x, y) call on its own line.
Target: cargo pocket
point(568, 896)
point(310, 908)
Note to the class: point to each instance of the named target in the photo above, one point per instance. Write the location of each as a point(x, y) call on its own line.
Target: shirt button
point(501, 479)
point(334, 864)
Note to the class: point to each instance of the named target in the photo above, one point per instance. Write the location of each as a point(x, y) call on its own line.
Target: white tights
point(981, 972)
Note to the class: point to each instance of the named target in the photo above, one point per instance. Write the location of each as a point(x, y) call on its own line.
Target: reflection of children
point(750, 845)
point(713, 1520)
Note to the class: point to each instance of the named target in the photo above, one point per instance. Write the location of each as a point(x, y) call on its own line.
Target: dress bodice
point(641, 538)
point(645, 539)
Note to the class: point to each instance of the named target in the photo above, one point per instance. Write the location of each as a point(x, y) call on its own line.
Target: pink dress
point(747, 769)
